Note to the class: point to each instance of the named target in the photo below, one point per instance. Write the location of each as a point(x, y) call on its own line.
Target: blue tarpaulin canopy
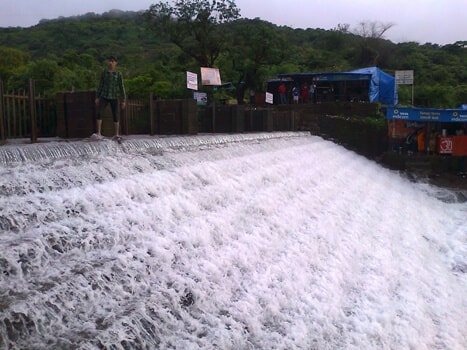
point(382, 86)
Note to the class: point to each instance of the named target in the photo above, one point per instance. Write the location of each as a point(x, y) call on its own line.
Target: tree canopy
point(194, 26)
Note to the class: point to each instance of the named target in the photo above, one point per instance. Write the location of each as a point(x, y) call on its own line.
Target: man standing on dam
point(109, 91)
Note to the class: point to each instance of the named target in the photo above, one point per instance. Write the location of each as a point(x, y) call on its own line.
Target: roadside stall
point(441, 131)
point(369, 84)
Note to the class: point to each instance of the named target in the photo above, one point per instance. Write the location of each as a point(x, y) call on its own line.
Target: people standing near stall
point(295, 94)
point(282, 90)
point(312, 93)
point(421, 140)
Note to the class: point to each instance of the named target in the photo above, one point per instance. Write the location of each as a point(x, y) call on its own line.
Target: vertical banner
point(269, 98)
point(192, 81)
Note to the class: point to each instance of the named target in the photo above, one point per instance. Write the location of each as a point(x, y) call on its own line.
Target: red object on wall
point(459, 145)
point(397, 129)
point(445, 145)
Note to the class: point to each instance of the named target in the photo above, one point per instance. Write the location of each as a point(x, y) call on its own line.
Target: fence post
point(151, 112)
point(32, 111)
point(2, 114)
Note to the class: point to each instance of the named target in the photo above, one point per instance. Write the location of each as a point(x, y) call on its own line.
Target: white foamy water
point(267, 241)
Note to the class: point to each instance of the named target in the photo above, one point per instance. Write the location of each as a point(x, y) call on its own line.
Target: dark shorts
point(103, 102)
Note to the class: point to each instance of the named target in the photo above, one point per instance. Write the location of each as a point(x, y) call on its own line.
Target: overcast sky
point(435, 21)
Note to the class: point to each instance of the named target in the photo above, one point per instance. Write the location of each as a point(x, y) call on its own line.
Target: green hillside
point(68, 53)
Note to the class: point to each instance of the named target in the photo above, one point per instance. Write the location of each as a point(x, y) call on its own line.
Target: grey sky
point(435, 21)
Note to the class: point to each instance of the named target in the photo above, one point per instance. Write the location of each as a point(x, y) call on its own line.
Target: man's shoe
point(117, 138)
point(96, 137)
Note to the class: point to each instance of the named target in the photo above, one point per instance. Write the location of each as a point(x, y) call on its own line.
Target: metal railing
point(23, 114)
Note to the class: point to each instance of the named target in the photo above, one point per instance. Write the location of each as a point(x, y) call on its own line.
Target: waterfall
point(252, 241)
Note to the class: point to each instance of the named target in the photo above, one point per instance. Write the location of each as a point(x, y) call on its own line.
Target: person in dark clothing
point(312, 93)
point(110, 91)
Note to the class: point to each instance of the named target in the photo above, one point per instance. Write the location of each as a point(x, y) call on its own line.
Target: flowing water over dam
point(255, 241)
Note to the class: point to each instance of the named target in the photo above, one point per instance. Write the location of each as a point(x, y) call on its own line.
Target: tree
point(342, 28)
point(373, 49)
point(372, 29)
point(253, 44)
point(193, 25)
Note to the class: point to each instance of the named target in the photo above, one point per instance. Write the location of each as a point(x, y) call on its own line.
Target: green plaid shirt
point(111, 86)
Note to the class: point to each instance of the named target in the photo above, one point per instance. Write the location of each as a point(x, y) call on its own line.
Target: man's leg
point(117, 129)
point(101, 106)
point(115, 115)
point(98, 126)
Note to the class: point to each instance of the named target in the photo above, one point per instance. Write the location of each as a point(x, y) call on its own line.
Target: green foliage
point(460, 94)
point(139, 86)
point(11, 61)
point(193, 25)
point(435, 95)
point(157, 47)
point(167, 89)
point(404, 93)
point(44, 72)
point(378, 121)
point(254, 45)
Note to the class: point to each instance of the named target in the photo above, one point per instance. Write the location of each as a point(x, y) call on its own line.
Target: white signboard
point(404, 77)
point(269, 98)
point(210, 76)
point(192, 81)
point(201, 98)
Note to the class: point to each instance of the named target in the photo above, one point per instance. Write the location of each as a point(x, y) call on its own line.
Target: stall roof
point(333, 76)
point(382, 87)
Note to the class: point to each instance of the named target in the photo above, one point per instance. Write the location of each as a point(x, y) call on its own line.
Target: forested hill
point(117, 32)
point(68, 53)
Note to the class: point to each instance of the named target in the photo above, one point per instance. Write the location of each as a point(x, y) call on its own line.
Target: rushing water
point(260, 241)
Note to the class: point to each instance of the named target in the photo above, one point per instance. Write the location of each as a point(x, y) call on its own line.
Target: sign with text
point(427, 114)
point(210, 76)
point(404, 77)
point(269, 98)
point(192, 81)
point(201, 98)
